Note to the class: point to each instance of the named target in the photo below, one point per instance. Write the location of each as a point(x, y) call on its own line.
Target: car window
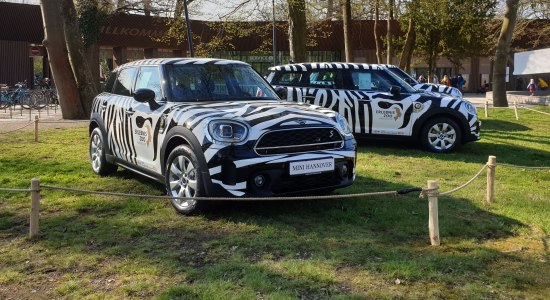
point(289, 79)
point(123, 84)
point(110, 82)
point(149, 78)
point(325, 79)
point(211, 82)
point(377, 81)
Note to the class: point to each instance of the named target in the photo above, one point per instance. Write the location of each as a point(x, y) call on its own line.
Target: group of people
point(539, 85)
point(454, 81)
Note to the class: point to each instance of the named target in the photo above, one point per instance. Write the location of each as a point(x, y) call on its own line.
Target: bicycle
point(18, 96)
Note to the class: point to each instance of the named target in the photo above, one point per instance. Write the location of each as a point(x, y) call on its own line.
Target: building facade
point(126, 38)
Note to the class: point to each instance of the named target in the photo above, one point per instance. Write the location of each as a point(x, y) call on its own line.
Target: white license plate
point(311, 166)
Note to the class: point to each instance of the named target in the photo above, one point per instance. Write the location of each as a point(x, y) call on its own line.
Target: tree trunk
point(389, 33)
point(147, 7)
point(377, 38)
point(54, 41)
point(85, 81)
point(330, 9)
point(501, 53)
point(346, 14)
point(406, 55)
point(297, 30)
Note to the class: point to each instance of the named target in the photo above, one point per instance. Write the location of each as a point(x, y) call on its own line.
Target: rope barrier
point(465, 184)
point(64, 122)
point(9, 131)
point(523, 167)
point(540, 112)
point(423, 191)
point(327, 197)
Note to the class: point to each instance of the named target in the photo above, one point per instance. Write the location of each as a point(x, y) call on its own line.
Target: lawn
point(96, 247)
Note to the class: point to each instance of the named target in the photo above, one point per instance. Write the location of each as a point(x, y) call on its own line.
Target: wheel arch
point(181, 136)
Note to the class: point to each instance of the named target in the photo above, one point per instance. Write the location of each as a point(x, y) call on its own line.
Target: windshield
point(213, 82)
point(406, 87)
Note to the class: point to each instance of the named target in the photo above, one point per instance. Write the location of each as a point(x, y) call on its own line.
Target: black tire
point(38, 100)
point(25, 101)
point(183, 178)
point(97, 154)
point(441, 135)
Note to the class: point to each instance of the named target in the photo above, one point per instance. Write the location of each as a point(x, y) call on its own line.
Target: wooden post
point(11, 114)
point(36, 129)
point(433, 219)
point(35, 206)
point(486, 109)
point(491, 166)
point(516, 110)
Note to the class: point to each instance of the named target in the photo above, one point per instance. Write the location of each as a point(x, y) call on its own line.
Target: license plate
point(311, 166)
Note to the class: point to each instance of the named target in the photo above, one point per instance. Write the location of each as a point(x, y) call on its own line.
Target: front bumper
point(233, 172)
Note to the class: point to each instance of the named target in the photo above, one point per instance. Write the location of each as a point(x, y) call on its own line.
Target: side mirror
point(281, 92)
point(395, 91)
point(146, 96)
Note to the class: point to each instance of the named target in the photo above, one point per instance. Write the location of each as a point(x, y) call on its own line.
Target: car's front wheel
point(441, 135)
point(183, 178)
point(97, 154)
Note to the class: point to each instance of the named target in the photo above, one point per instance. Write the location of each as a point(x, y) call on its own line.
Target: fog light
point(259, 180)
point(344, 171)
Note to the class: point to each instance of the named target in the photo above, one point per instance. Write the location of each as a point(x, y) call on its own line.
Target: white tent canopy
point(532, 62)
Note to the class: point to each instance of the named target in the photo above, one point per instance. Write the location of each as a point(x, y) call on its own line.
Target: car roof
point(180, 61)
point(327, 66)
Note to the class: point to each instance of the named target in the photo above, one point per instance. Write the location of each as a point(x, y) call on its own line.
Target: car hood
point(438, 89)
point(280, 113)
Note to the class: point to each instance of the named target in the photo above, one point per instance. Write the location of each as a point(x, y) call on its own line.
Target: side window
point(371, 81)
point(289, 79)
point(123, 83)
point(149, 78)
point(110, 82)
point(326, 79)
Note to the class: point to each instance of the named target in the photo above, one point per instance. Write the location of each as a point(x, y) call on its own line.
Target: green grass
point(95, 247)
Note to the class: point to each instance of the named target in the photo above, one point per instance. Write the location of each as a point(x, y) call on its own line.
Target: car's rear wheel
point(183, 178)
point(97, 154)
point(441, 135)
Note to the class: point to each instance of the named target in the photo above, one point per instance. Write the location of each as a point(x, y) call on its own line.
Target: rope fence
point(515, 107)
point(431, 192)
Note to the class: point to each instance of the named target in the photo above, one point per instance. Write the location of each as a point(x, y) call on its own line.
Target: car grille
point(301, 183)
point(298, 140)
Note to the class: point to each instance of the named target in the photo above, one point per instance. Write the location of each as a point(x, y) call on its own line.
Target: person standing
point(445, 80)
point(542, 84)
point(532, 87)
point(460, 82)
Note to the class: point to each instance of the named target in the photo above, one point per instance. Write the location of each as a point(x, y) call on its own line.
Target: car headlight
point(470, 108)
point(343, 125)
point(228, 131)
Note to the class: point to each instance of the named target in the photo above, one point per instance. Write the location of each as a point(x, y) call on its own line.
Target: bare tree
point(346, 14)
point(501, 53)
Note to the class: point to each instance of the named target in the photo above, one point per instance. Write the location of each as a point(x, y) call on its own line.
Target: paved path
point(17, 118)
